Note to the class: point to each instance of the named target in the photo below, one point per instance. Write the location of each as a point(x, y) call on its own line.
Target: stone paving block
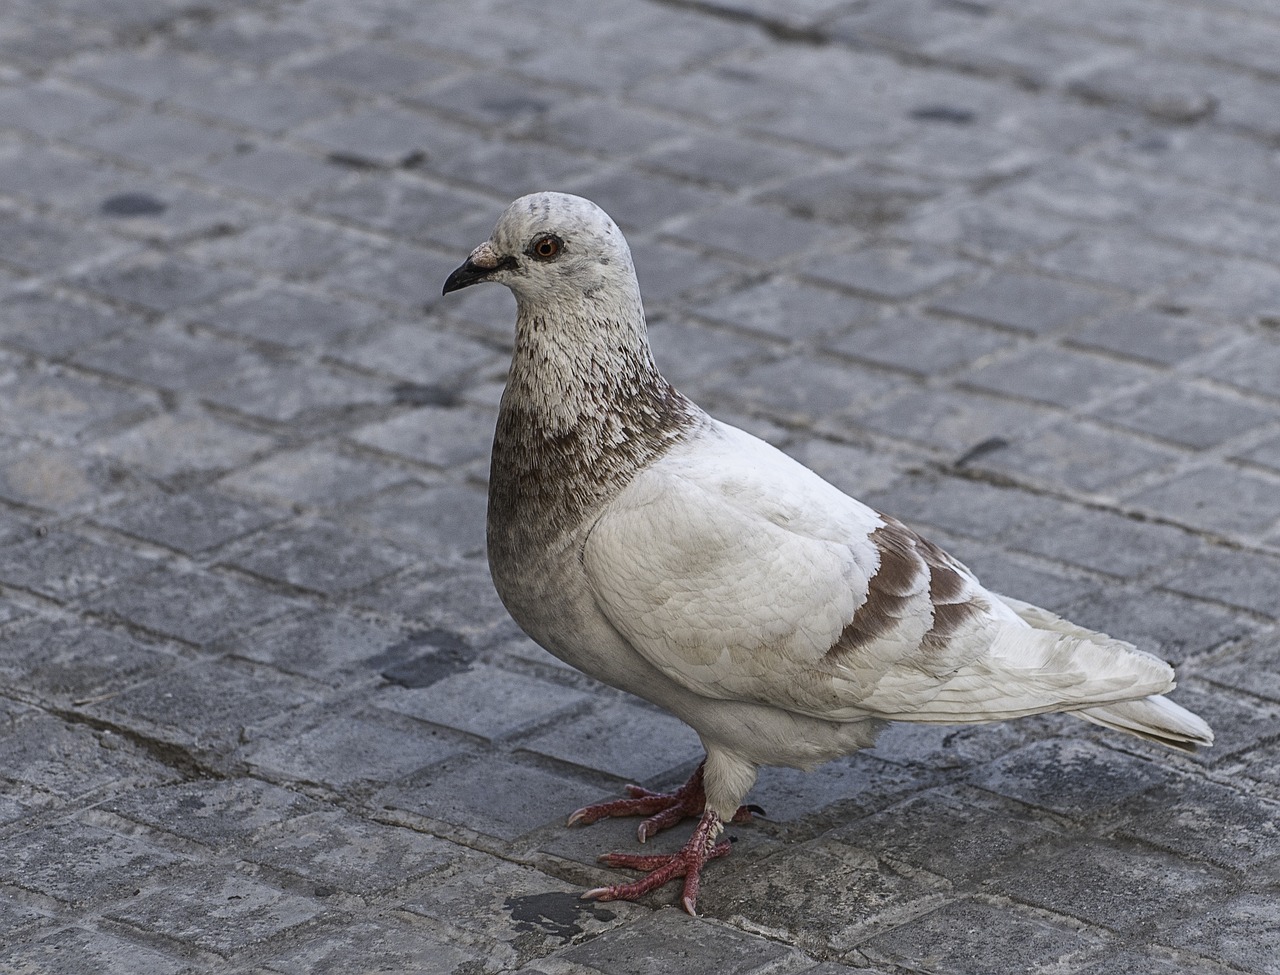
point(437, 522)
point(208, 706)
point(313, 475)
point(56, 479)
point(274, 174)
point(214, 909)
point(1172, 627)
point(1056, 376)
point(455, 597)
point(891, 273)
point(292, 245)
point(291, 317)
point(1071, 778)
point(956, 504)
point(176, 444)
point(1265, 454)
point(1251, 365)
point(1104, 541)
point(160, 283)
point(1023, 302)
point(342, 853)
point(36, 244)
point(1149, 336)
point(197, 607)
point(1178, 92)
point(136, 211)
point(272, 105)
point(320, 644)
point(384, 66)
point(1196, 498)
point(322, 557)
point(345, 749)
point(191, 522)
point(51, 108)
point(345, 945)
point(1123, 260)
point(1203, 821)
point(63, 407)
point(923, 748)
point(644, 199)
point(218, 813)
point(65, 567)
point(823, 896)
point(72, 760)
point(1239, 932)
point(955, 833)
point(152, 138)
point(53, 177)
point(490, 99)
point(70, 951)
point(497, 166)
point(1239, 578)
point(784, 308)
point(956, 421)
point(957, 939)
point(799, 390)
point(865, 197)
point(954, 153)
point(442, 436)
point(1115, 884)
point(603, 127)
point(1076, 456)
point(175, 361)
point(665, 943)
point(519, 911)
point(605, 739)
point(398, 272)
point(1232, 290)
point(395, 203)
point(666, 271)
point(987, 228)
point(489, 794)
point(296, 395)
point(751, 232)
point(726, 160)
point(1184, 414)
point(106, 864)
point(54, 326)
point(426, 356)
point(486, 702)
point(70, 662)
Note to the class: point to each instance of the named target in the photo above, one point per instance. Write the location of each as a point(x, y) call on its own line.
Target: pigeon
point(683, 560)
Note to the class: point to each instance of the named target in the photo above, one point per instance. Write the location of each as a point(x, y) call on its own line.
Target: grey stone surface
point(1006, 271)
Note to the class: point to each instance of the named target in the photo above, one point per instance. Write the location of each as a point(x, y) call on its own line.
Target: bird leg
point(662, 868)
point(662, 809)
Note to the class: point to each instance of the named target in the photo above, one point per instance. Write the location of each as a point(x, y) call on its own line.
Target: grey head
point(549, 247)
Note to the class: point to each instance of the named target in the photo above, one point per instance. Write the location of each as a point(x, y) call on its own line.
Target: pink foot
point(662, 809)
point(662, 868)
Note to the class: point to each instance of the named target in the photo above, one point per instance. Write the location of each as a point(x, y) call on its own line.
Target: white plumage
point(686, 561)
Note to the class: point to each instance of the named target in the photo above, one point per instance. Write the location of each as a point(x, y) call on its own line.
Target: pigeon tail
point(1154, 718)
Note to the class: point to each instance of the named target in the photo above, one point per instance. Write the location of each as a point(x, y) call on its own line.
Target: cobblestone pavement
point(1009, 269)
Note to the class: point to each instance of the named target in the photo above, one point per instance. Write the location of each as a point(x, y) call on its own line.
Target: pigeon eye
point(546, 247)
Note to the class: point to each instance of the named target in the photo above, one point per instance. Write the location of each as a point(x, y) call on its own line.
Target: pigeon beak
point(483, 262)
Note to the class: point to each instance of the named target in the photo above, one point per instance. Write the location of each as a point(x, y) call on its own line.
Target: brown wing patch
point(906, 560)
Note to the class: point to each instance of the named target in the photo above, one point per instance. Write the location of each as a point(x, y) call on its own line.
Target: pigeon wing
point(742, 575)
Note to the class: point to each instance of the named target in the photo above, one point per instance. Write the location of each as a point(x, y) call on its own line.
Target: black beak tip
point(461, 277)
point(471, 273)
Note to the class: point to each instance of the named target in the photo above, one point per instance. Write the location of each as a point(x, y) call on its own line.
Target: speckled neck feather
point(584, 410)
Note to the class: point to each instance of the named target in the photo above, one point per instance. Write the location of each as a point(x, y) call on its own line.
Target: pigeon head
point(552, 247)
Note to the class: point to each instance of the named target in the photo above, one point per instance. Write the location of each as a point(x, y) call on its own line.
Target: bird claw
point(661, 809)
point(662, 868)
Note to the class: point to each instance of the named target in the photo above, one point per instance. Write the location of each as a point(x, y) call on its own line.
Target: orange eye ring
point(546, 247)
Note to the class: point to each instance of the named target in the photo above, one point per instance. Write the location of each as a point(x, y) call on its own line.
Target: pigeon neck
point(584, 410)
